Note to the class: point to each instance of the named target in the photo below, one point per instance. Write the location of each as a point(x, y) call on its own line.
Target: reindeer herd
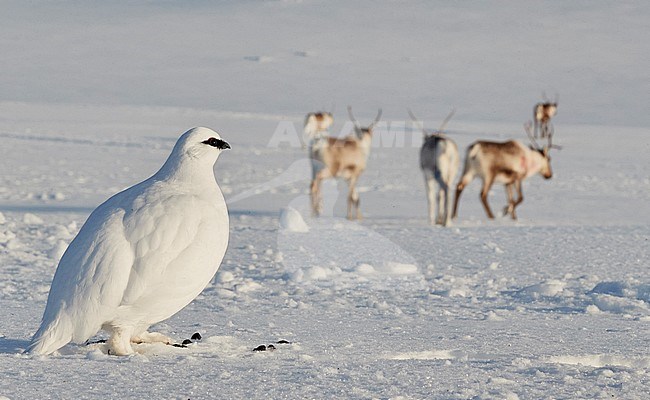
point(509, 163)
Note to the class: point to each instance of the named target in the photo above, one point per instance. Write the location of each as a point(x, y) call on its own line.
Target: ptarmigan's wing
point(177, 251)
point(89, 282)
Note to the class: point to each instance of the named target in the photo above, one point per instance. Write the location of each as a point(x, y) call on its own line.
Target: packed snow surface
point(554, 305)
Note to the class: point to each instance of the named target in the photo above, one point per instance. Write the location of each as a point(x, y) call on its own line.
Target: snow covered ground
point(555, 305)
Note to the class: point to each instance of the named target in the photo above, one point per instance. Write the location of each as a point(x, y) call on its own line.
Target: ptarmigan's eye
point(218, 143)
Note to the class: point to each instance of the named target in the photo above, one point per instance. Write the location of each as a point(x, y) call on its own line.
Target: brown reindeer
point(341, 158)
point(509, 163)
point(542, 114)
point(316, 123)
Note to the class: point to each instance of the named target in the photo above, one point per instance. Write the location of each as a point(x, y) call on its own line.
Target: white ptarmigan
point(142, 255)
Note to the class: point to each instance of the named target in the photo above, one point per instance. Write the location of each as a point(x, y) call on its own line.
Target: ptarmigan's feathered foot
point(119, 345)
point(151, 337)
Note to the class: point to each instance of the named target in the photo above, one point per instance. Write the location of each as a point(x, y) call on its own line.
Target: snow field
point(555, 305)
point(388, 308)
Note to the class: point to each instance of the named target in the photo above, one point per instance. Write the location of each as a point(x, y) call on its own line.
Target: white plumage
point(142, 255)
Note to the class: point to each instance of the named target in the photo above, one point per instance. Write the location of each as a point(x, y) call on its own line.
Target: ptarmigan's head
point(196, 149)
point(200, 142)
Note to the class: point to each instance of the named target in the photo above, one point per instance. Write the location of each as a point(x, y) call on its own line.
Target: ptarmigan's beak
point(224, 145)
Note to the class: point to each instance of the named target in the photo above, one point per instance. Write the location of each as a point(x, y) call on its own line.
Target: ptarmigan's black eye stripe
point(218, 143)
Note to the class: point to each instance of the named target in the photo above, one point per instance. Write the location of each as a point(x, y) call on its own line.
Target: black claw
point(186, 342)
point(283, 342)
point(197, 336)
point(270, 347)
point(260, 348)
point(179, 345)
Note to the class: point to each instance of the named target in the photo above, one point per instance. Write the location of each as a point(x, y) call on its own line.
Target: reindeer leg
point(520, 198)
point(428, 185)
point(464, 181)
point(509, 208)
point(357, 203)
point(459, 190)
point(353, 200)
point(350, 204)
point(440, 219)
point(447, 205)
point(446, 208)
point(487, 184)
point(316, 202)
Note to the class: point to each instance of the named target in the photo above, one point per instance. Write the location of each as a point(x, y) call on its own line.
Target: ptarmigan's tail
point(50, 337)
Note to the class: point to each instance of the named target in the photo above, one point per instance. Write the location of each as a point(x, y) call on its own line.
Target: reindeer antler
point(446, 120)
point(377, 118)
point(357, 126)
point(421, 126)
point(527, 126)
point(417, 121)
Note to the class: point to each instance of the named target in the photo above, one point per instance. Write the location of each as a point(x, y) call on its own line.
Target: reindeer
point(439, 161)
point(509, 163)
point(341, 158)
point(542, 114)
point(316, 123)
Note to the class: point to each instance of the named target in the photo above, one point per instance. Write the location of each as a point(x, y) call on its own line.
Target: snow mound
point(620, 298)
point(398, 268)
point(31, 219)
point(387, 268)
point(619, 305)
point(6, 236)
point(292, 221)
point(316, 273)
point(550, 288)
point(225, 277)
point(611, 288)
point(365, 269)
